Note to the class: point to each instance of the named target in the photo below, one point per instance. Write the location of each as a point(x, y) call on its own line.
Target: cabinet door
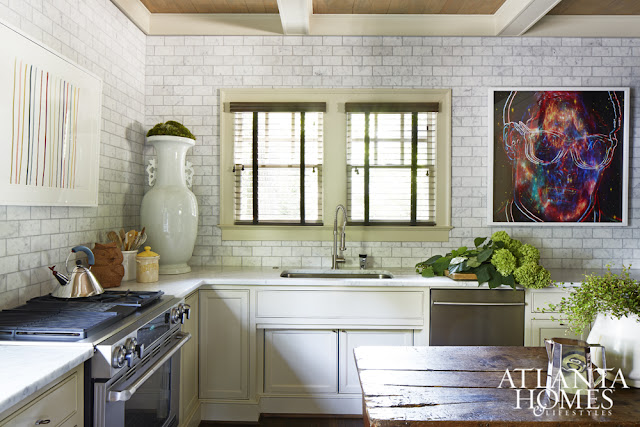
point(224, 344)
point(300, 361)
point(542, 329)
point(189, 361)
point(349, 381)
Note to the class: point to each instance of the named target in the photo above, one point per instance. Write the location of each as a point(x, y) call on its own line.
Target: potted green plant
point(610, 304)
point(172, 128)
point(501, 260)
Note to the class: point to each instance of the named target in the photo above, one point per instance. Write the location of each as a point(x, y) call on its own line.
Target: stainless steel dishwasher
point(476, 317)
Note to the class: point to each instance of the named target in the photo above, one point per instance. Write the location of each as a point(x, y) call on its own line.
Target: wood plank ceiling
point(597, 7)
point(470, 7)
point(431, 7)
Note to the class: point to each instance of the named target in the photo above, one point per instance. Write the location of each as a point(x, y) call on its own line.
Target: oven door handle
point(126, 394)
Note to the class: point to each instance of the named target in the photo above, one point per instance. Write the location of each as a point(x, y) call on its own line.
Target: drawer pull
point(40, 422)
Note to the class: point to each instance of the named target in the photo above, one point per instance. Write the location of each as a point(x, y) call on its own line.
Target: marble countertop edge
point(27, 369)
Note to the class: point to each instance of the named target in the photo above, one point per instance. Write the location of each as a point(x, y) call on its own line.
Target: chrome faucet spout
point(336, 258)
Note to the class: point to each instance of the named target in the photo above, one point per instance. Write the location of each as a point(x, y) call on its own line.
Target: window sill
point(355, 233)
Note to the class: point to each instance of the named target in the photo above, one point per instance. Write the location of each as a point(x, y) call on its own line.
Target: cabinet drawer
point(56, 405)
point(354, 307)
point(541, 300)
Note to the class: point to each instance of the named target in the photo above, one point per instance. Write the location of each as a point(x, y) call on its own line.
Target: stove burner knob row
point(118, 357)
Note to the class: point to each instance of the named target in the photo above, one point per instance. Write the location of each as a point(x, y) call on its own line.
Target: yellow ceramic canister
point(147, 266)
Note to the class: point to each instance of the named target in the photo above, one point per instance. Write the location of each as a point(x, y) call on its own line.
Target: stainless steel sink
point(337, 274)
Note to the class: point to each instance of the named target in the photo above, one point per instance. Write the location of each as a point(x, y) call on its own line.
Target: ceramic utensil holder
point(129, 264)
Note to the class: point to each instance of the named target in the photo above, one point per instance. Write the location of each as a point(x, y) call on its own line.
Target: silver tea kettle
point(81, 283)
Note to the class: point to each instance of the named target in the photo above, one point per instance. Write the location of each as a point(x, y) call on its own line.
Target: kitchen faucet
point(335, 257)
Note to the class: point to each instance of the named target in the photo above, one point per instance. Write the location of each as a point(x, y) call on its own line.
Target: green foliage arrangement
point(170, 128)
point(614, 295)
point(499, 261)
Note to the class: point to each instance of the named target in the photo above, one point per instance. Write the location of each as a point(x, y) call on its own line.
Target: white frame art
point(50, 125)
point(511, 113)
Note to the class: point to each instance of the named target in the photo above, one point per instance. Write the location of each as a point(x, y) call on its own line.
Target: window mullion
point(255, 167)
point(302, 166)
point(366, 168)
point(414, 167)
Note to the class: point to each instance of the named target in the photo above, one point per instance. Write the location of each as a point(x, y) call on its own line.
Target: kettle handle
point(90, 258)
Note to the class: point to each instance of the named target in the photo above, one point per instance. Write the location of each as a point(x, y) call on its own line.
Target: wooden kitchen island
point(458, 386)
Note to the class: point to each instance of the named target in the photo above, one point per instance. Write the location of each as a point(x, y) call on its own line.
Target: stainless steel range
point(133, 377)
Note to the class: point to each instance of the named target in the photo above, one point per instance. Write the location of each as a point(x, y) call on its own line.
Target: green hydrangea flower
point(531, 275)
point(543, 279)
point(514, 246)
point(501, 236)
point(504, 261)
point(528, 254)
point(527, 275)
point(171, 128)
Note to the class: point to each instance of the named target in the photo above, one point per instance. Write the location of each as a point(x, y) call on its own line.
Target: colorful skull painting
point(559, 146)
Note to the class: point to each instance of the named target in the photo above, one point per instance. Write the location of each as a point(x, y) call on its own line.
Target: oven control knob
point(118, 358)
point(130, 345)
point(175, 315)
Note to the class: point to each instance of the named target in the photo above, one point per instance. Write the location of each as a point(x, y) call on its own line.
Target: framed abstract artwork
point(558, 156)
point(50, 126)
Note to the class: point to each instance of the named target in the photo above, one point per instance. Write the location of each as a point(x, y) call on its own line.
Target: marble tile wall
point(97, 36)
point(184, 76)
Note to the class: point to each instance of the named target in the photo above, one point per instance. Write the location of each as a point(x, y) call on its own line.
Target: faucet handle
point(363, 261)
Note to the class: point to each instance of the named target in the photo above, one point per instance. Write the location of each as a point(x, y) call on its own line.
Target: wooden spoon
point(113, 237)
point(131, 235)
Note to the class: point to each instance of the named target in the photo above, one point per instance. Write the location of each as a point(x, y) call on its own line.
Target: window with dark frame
point(391, 163)
point(278, 163)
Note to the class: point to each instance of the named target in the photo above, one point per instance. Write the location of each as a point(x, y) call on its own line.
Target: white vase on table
point(169, 209)
point(621, 340)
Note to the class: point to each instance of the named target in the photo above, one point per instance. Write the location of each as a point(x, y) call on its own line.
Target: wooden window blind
point(391, 163)
point(278, 163)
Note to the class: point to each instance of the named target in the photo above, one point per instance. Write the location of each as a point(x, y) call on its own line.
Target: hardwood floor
point(269, 421)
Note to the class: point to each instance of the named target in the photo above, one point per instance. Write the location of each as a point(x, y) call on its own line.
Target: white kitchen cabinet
point(350, 339)
point(224, 344)
point(538, 323)
point(542, 329)
point(59, 404)
point(189, 364)
point(300, 361)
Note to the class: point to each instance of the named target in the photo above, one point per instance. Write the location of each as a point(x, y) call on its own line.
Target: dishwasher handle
point(494, 304)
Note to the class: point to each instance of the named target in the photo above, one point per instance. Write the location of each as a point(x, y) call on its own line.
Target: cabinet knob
point(41, 422)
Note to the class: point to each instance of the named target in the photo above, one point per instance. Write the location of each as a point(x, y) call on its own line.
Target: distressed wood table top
point(459, 386)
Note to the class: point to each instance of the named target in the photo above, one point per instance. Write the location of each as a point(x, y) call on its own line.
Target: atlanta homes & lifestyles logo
point(568, 391)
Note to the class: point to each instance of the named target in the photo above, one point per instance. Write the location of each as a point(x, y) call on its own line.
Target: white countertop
point(181, 285)
point(27, 368)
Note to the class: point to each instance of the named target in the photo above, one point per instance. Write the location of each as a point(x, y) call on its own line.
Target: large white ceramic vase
point(621, 340)
point(169, 210)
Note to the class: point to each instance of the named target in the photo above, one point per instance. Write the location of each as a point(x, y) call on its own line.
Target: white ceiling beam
point(295, 16)
point(136, 12)
point(515, 17)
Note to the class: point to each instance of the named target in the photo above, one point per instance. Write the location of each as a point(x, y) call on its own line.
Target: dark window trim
point(414, 172)
point(255, 170)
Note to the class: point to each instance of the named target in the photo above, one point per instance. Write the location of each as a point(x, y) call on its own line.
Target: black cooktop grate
point(53, 325)
point(47, 318)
